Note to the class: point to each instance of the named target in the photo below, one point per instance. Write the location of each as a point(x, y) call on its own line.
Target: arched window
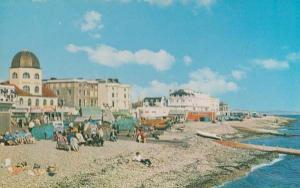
point(14, 75)
point(29, 102)
point(37, 102)
point(51, 102)
point(26, 75)
point(37, 89)
point(45, 102)
point(36, 76)
point(21, 101)
point(26, 88)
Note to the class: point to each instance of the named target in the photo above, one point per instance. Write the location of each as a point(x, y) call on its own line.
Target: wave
point(280, 158)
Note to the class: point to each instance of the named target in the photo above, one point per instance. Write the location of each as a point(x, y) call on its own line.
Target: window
point(51, 102)
point(26, 75)
point(21, 101)
point(70, 92)
point(57, 92)
point(79, 102)
point(45, 102)
point(37, 102)
point(113, 104)
point(14, 75)
point(36, 76)
point(26, 88)
point(113, 95)
point(29, 102)
point(61, 102)
point(36, 89)
point(125, 96)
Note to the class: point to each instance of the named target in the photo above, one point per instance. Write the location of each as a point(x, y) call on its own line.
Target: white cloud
point(272, 64)
point(206, 3)
point(112, 57)
point(294, 56)
point(209, 81)
point(238, 74)
point(166, 3)
point(160, 2)
point(91, 21)
point(187, 60)
point(204, 80)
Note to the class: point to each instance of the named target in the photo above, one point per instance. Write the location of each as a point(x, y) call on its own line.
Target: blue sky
point(245, 52)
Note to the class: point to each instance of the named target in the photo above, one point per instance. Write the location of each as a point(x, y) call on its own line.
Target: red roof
point(46, 92)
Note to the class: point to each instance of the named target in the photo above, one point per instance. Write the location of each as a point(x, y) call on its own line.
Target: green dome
point(25, 59)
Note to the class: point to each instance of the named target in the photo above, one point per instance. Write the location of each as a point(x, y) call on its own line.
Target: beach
point(180, 159)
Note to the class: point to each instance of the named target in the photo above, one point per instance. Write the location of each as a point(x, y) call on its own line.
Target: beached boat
point(156, 123)
point(208, 135)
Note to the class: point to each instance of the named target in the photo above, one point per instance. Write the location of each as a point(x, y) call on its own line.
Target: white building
point(25, 75)
point(155, 101)
point(193, 101)
point(152, 112)
point(113, 94)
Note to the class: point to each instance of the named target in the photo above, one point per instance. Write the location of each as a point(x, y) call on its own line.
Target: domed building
point(25, 74)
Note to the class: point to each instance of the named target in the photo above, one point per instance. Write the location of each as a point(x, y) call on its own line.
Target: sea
point(283, 172)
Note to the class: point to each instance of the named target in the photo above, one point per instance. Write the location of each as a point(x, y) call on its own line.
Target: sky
point(247, 53)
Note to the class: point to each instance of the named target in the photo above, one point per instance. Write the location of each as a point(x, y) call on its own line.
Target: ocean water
point(282, 172)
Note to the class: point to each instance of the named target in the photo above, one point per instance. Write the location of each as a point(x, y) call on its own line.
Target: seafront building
point(114, 95)
point(181, 105)
point(193, 101)
point(74, 93)
point(78, 93)
point(7, 100)
point(25, 75)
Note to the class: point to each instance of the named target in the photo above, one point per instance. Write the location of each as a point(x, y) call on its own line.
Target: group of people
point(17, 137)
point(84, 134)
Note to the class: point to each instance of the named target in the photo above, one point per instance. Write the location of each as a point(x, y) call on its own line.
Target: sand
point(180, 159)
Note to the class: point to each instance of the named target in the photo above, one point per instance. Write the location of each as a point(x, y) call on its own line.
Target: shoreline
point(265, 159)
point(180, 159)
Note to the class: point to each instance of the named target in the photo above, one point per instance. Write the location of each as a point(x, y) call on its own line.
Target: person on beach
point(113, 135)
point(138, 157)
point(100, 135)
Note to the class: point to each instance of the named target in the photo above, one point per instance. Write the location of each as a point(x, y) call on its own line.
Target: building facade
point(114, 95)
point(91, 93)
point(25, 75)
point(193, 101)
point(74, 93)
point(155, 101)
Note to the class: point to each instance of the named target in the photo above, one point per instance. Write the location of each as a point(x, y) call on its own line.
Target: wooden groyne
point(260, 148)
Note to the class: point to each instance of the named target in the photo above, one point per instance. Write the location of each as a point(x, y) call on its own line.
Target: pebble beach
point(180, 159)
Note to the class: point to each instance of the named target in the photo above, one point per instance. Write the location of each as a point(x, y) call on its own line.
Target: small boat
point(208, 135)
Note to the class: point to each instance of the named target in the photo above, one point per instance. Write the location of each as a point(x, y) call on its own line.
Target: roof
point(25, 59)
point(46, 92)
point(152, 99)
point(181, 93)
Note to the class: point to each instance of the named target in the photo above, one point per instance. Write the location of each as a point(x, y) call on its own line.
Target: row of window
point(37, 102)
point(113, 95)
point(26, 75)
point(27, 89)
